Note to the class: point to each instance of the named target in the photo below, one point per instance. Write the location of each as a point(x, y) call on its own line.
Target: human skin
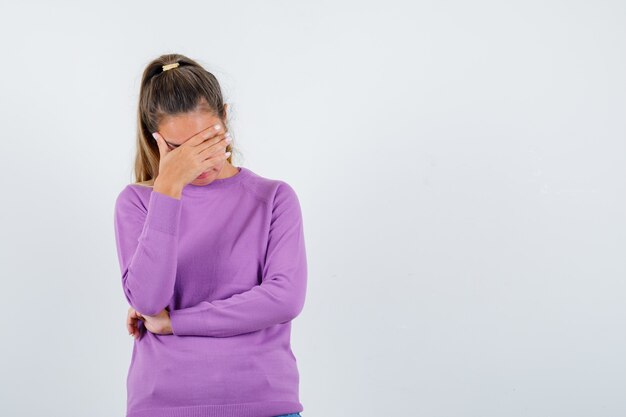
point(176, 130)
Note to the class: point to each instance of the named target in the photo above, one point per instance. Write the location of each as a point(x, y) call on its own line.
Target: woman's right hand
point(183, 164)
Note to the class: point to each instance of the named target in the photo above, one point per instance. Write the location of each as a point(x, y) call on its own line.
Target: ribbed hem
point(258, 409)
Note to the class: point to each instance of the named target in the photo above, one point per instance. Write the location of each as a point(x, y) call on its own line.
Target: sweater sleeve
point(280, 296)
point(147, 248)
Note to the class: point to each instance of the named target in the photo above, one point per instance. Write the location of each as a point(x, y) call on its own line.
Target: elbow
point(145, 305)
point(150, 309)
point(148, 301)
point(293, 312)
point(295, 305)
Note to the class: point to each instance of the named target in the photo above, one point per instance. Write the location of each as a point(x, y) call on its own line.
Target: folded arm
point(280, 296)
point(147, 248)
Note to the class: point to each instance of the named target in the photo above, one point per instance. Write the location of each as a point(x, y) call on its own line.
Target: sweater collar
point(218, 182)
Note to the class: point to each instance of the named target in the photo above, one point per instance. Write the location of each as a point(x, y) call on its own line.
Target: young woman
point(212, 260)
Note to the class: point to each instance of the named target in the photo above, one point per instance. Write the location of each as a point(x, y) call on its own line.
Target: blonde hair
point(166, 90)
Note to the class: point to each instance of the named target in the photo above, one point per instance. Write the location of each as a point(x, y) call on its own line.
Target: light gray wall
point(461, 168)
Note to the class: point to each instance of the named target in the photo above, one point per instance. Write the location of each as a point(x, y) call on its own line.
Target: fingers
point(209, 136)
point(209, 133)
point(134, 314)
point(135, 333)
point(132, 322)
point(216, 145)
point(214, 159)
point(163, 148)
point(129, 326)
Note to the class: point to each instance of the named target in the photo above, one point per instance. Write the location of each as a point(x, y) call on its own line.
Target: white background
point(460, 165)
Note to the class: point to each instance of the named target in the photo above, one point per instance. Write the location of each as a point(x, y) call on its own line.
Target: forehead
point(179, 128)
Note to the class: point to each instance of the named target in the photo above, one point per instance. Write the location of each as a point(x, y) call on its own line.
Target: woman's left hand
point(159, 324)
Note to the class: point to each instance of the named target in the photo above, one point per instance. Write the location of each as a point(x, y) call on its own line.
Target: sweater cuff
point(185, 323)
point(163, 213)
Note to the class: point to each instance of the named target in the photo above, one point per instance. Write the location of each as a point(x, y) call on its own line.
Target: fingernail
point(154, 136)
point(227, 153)
point(228, 139)
point(217, 127)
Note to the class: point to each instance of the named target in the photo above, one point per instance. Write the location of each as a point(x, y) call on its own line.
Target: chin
point(212, 174)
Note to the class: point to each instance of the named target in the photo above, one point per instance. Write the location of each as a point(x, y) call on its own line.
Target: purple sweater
point(228, 261)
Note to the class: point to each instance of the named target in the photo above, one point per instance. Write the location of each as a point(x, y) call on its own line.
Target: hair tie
point(170, 66)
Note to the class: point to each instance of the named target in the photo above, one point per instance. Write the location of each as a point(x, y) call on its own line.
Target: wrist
point(168, 187)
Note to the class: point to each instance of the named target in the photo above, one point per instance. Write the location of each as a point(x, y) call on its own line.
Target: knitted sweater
point(228, 261)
